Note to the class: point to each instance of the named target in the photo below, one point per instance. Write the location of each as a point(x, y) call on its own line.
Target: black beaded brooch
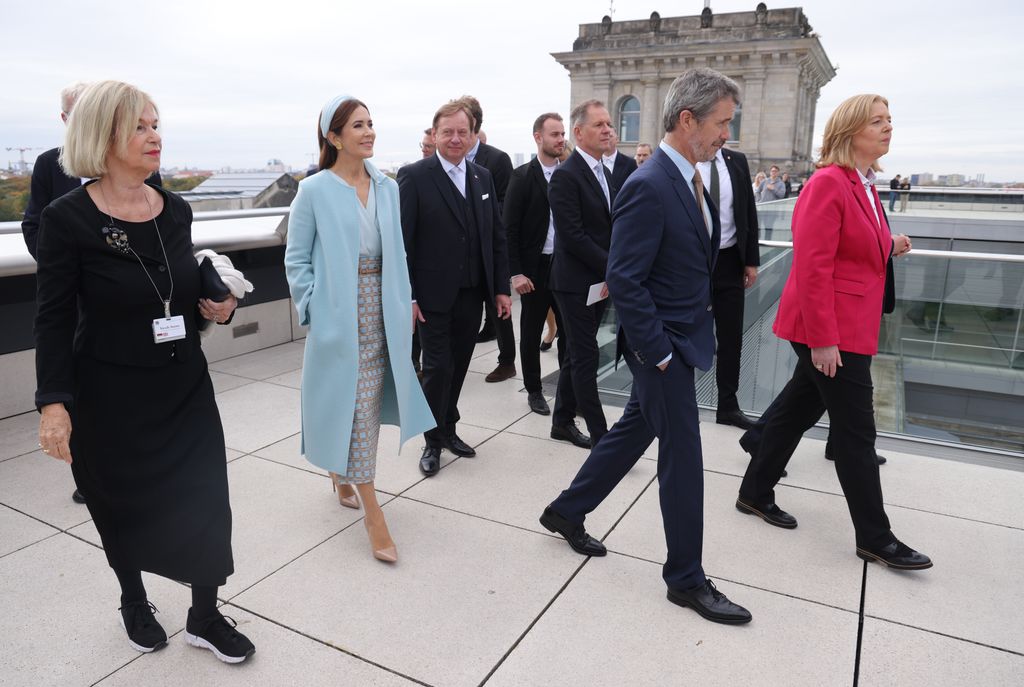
point(116, 238)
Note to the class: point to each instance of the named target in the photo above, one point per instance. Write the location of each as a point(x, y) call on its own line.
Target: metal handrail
point(924, 252)
point(205, 216)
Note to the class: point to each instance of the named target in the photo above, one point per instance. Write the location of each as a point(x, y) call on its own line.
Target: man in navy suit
point(455, 244)
point(662, 256)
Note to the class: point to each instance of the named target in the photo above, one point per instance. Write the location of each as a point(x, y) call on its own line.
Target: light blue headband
point(327, 113)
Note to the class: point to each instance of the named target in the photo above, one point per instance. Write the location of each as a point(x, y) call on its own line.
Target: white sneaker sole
point(139, 647)
point(201, 643)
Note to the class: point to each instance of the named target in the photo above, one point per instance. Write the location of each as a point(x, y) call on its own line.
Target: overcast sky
point(239, 83)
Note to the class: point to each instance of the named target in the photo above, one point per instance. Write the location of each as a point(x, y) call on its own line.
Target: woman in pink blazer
point(830, 312)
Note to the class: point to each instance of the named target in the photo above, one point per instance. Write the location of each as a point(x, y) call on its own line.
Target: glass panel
point(734, 125)
point(950, 364)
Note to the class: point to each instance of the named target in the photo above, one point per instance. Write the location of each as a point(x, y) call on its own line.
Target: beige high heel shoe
point(351, 501)
point(388, 554)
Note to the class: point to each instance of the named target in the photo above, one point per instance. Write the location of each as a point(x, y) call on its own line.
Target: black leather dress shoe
point(538, 403)
point(771, 514)
point(575, 534)
point(896, 555)
point(459, 447)
point(572, 434)
point(735, 418)
point(77, 497)
point(710, 603)
point(881, 459)
point(430, 461)
point(545, 345)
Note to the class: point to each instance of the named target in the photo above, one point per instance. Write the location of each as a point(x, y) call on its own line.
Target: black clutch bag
point(210, 284)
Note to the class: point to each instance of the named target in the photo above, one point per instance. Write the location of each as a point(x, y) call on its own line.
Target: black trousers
point(447, 340)
point(727, 294)
point(663, 405)
point(848, 399)
point(533, 313)
point(503, 330)
point(577, 379)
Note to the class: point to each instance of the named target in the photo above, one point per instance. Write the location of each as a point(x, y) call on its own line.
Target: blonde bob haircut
point(104, 118)
point(852, 115)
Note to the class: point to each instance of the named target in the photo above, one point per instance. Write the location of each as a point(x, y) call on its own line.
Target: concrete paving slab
point(913, 481)
point(231, 454)
point(518, 476)
point(41, 486)
point(224, 382)
point(264, 363)
point(613, 626)
point(396, 471)
point(896, 655)
point(494, 406)
point(461, 593)
point(816, 561)
point(282, 658)
point(18, 531)
point(534, 425)
point(292, 379)
point(60, 622)
point(974, 590)
point(257, 415)
point(19, 434)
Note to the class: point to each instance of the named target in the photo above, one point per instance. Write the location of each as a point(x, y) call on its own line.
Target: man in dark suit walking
point(619, 166)
point(498, 163)
point(581, 194)
point(531, 242)
point(728, 180)
point(660, 264)
point(457, 256)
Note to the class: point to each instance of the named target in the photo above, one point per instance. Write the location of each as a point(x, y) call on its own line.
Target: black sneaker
point(144, 632)
point(218, 634)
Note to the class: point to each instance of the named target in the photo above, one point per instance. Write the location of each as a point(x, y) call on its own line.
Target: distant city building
point(773, 55)
point(275, 165)
point(520, 159)
point(955, 180)
point(241, 191)
point(980, 178)
point(924, 179)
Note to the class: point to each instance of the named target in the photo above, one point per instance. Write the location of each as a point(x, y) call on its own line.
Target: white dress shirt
point(457, 173)
point(725, 209)
point(867, 182)
point(609, 161)
point(549, 242)
point(471, 155)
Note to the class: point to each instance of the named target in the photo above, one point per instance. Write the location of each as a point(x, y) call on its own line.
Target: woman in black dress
point(125, 396)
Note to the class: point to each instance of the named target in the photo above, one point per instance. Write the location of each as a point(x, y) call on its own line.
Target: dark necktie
point(714, 183)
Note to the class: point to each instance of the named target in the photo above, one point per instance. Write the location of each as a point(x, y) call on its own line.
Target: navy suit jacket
point(660, 265)
point(434, 225)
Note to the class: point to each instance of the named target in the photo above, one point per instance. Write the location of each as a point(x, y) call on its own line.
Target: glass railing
point(950, 365)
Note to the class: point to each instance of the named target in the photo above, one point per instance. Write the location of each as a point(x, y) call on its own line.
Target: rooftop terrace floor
point(482, 594)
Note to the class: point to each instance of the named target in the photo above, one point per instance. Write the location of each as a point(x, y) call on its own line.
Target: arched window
point(629, 120)
point(734, 125)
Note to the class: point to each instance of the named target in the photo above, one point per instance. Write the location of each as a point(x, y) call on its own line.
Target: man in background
point(643, 153)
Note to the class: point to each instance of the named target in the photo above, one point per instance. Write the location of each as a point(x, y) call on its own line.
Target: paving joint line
point(329, 645)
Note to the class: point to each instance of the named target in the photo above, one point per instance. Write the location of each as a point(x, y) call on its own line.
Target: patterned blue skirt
point(373, 362)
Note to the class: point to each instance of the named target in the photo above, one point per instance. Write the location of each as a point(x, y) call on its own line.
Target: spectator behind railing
point(772, 188)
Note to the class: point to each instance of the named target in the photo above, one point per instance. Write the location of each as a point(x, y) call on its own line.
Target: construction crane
point(21, 152)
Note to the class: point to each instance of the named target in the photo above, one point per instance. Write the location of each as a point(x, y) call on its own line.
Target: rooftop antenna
point(611, 8)
point(21, 152)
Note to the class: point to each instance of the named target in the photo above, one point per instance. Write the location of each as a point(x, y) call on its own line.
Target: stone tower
point(773, 55)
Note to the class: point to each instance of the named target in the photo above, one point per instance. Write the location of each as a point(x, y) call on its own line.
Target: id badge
point(168, 329)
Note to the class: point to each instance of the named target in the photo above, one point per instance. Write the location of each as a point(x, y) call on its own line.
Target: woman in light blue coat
point(349, 280)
